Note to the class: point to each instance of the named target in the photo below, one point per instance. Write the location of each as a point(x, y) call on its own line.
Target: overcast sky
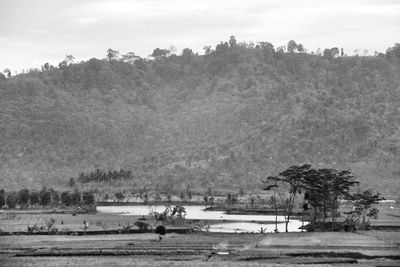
point(39, 31)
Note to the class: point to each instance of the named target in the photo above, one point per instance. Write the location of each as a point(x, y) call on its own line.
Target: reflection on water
point(239, 223)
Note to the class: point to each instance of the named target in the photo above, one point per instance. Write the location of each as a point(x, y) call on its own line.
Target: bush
point(161, 230)
point(324, 227)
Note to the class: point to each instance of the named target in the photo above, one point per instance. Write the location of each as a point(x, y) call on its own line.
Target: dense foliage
point(324, 190)
point(223, 119)
point(45, 198)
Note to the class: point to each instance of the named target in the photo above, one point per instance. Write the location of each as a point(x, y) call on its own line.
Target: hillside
point(224, 119)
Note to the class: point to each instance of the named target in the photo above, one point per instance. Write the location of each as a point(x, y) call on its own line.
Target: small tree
point(71, 182)
point(12, 200)
point(182, 196)
point(119, 196)
point(324, 188)
point(88, 198)
point(157, 197)
point(55, 197)
point(23, 197)
point(292, 46)
point(363, 208)
point(34, 198)
point(289, 179)
point(327, 53)
point(44, 197)
point(2, 198)
point(189, 194)
point(66, 199)
point(112, 54)
point(76, 197)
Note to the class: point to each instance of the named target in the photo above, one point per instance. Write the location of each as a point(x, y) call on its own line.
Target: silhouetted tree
point(334, 51)
point(112, 54)
point(287, 185)
point(71, 182)
point(119, 196)
point(88, 198)
point(292, 46)
point(23, 197)
point(2, 198)
point(44, 197)
point(66, 199)
point(55, 197)
point(76, 197)
point(34, 198)
point(12, 200)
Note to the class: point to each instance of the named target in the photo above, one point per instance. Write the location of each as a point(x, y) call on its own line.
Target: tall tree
point(45, 197)
point(88, 198)
point(112, 54)
point(292, 46)
point(362, 208)
point(288, 185)
point(12, 200)
point(66, 199)
point(2, 198)
point(129, 57)
point(23, 197)
point(157, 53)
point(34, 198)
point(335, 51)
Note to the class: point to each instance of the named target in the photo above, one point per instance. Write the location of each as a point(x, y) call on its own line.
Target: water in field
point(230, 223)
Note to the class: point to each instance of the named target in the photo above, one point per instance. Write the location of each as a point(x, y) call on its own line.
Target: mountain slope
point(231, 116)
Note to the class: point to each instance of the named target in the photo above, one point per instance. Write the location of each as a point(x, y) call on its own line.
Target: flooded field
point(229, 223)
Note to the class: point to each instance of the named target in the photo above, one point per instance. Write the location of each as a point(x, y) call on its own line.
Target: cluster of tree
point(103, 176)
point(322, 189)
point(45, 197)
point(221, 120)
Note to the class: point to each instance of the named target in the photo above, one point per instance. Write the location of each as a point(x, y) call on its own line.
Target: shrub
point(161, 230)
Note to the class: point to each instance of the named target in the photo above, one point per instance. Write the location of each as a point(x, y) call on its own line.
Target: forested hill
point(228, 117)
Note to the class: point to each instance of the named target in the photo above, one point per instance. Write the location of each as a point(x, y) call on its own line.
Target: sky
point(35, 32)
